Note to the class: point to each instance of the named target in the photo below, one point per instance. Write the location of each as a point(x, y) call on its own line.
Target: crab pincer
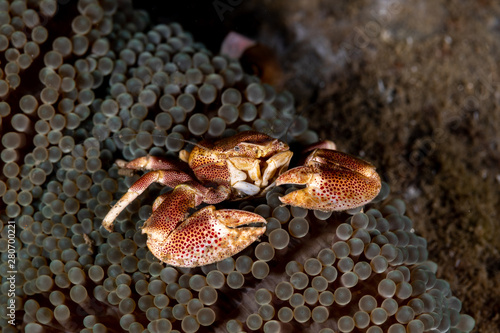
point(207, 236)
point(335, 181)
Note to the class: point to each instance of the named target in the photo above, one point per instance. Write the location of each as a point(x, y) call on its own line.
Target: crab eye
point(237, 148)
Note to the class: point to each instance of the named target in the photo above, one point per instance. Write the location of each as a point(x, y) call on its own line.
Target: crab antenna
point(120, 136)
point(187, 141)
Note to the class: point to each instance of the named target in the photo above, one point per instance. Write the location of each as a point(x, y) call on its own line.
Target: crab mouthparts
point(250, 175)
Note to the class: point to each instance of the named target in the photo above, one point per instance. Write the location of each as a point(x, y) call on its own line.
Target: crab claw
point(206, 237)
point(335, 181)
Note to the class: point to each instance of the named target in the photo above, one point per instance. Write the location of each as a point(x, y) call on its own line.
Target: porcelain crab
point(246, 164)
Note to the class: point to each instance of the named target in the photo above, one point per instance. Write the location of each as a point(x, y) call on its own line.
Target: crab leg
point(334, 181)
point(151, 163)
point(205, 237)
point(169, 178)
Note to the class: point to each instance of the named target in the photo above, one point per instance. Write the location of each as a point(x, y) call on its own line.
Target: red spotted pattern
point(207, 236)
point(334, 181)
point(170, 213)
